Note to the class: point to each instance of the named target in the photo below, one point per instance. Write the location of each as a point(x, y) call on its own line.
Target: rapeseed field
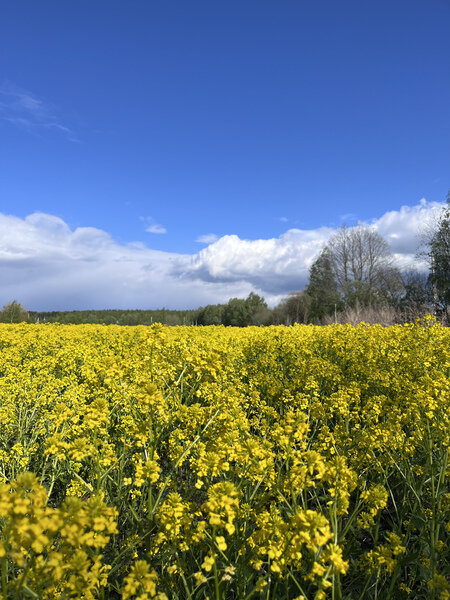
point(293, 463)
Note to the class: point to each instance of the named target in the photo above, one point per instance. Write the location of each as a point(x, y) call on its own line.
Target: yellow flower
point(199, 578)
point(221, 544)
point(208, 563)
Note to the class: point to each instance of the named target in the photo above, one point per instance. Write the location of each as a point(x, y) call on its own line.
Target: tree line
point(354, 278)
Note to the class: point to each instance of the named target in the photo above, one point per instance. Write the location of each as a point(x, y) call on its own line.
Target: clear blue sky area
point(245, 117)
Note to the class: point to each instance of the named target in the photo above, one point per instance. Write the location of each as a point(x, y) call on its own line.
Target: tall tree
point(417, 293)
point(322, 289)
point(239, 312)
point(295, 308)
point(13, 312)
point(210, 314)
point(439, 257)
point(362, 266)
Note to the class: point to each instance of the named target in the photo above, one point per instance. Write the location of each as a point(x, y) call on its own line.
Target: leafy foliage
point(322, 288)
point(239, 313)
point(439, 253)
point(13, 312)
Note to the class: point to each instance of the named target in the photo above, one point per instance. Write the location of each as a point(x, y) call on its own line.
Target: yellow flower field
point(191, 463)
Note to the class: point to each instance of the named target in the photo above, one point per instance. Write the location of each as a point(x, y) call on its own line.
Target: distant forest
point(116, 317)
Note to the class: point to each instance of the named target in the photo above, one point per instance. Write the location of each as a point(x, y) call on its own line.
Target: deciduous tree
point(295, 308)
point(13, 312)
point(239, 312)
point(322, 289)
point(439, 257)
point(362, 266)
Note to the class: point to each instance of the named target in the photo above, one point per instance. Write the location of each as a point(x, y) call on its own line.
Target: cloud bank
point(47, 266)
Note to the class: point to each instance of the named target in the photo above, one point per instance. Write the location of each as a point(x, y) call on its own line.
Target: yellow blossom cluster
point(224, 463)
point(55, 550)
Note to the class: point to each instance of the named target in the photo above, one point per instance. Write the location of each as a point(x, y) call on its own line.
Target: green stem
point(366, 585)
point(433, 504)
point(5, 576)
point(216, 581)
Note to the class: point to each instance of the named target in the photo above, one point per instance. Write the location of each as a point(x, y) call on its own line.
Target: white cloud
point(207, 238)
point(276, 265)
point(152, 226)
point(402, 228)
point(156, 228)
point(279, 265)
point(22, 109)
point(47, 266)
point(347, 218)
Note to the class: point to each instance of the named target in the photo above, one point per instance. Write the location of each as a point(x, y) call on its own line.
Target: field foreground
point(192, 463)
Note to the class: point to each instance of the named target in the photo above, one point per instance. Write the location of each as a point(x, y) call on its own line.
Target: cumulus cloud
point(48, 266)
point(276, 265)
point(280, 265)
point(402, 228)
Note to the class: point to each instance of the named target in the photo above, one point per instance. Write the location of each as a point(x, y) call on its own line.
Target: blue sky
point(149, 126)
